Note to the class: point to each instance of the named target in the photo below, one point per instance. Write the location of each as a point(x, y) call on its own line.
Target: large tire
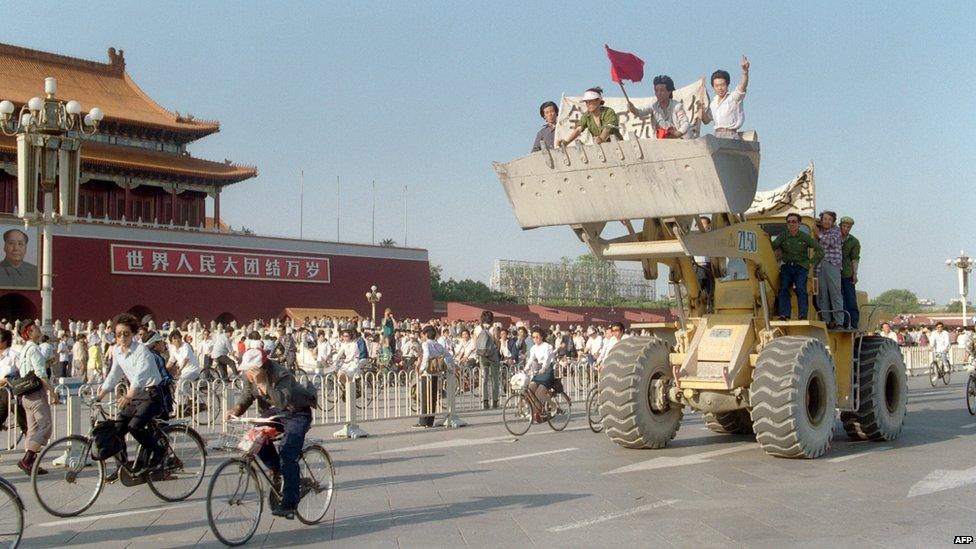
point(884, 392)
point(794, 397)
point(630, 418)
point(736, 422)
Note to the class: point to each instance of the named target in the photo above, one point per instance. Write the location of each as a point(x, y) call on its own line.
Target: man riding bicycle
point(939, 340)
point(279, 394)
point(144, 401)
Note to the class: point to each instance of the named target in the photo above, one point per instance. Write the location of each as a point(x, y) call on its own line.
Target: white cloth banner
point(797, 196)
point(693, 97)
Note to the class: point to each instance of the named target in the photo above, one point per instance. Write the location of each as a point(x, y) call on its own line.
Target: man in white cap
point(600, 121)
point(278, 394)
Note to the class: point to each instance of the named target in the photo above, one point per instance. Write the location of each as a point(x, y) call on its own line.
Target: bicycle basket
point(518, 382)
point(106, 441)
point(255, 438)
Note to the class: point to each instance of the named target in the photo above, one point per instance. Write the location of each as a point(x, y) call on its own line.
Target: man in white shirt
point(887, 332)
point(725, 108)
point(220, 353)
point(323, 350)
point(616, 333)
point(593, 346)
point(939, 339)
point(668, 117)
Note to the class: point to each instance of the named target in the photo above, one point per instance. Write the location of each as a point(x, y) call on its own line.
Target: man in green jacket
point(850, 259)
point(793, 248)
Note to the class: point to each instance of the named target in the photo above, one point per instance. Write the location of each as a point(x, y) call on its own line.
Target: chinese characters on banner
point(184, 262)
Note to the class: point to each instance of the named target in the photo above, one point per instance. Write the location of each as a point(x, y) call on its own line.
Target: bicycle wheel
point(235, 500)
point(185, 465)
point(946, 372)
point(559, 411)
point(317, 484)
point(593, 411)
point(517, 415)
point(971, 394)
point(364, 393)
point(209, 403)
point(933, 373)
point(11, 515)
point(74, 479)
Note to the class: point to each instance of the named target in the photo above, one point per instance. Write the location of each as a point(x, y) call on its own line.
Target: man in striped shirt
point(830, 300)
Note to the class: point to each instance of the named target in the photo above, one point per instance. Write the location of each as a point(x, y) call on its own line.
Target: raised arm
point(572, 137)
point(744, 83)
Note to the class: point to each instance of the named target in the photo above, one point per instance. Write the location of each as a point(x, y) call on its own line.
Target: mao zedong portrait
point(14, 271)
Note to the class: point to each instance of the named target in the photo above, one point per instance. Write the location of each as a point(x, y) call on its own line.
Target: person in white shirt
point(725, 108)
point(347, 357)
point(939, 339)
point(668, 117)
point(323, 350)
point(887, 332)
point(464, 351)
point(9, 370)
point(539, 367)
point(616, 333)
point(429, 376)
point(593, 346)
point(183, 365)
point(221, 353)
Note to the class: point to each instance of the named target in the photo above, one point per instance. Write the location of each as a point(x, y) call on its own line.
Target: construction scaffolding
point(578, 280)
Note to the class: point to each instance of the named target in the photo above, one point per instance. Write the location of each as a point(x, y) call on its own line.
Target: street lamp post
point(49, 133)
point(963, 265)
point(373, 297)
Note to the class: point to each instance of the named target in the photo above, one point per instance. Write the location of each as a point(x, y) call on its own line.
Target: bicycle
point(971, 387)
point(940, 368)
point(593, 410)
point(11, 515)
point(74, 480)
point(519, 412)
point(235, 496)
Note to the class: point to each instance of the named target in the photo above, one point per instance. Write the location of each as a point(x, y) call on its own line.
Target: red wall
point(85, 288)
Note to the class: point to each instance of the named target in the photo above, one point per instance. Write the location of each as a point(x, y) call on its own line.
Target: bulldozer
point(727, 356)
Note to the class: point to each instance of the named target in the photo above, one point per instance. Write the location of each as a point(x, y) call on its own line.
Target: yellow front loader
point(726, 357)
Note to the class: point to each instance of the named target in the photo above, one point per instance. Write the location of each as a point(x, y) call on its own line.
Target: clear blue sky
point(425, 94)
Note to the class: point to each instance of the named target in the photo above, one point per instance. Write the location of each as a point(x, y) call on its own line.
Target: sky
point(426, 95)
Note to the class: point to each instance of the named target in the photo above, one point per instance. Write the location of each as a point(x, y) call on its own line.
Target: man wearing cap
point(851, 257)
point(548, 111)
point(600, 121)
point(278, 394)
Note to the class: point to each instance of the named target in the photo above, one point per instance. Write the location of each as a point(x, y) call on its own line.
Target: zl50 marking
point(748, 242)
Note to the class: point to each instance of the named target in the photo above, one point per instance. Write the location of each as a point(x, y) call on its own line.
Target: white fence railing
point(380, 395)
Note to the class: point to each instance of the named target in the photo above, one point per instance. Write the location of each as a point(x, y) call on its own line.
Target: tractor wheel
point(884, 392)
point(633, 388)
point(736, 422)
point(793, 397)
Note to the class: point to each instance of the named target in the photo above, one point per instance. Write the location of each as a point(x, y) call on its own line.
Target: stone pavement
point(480, 487)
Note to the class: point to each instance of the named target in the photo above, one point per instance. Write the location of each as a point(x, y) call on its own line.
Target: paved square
point(480, 487)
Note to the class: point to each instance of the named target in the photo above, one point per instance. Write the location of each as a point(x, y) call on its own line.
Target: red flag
point(625, 66)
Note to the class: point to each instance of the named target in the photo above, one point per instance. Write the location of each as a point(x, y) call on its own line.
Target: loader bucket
point(631, 179)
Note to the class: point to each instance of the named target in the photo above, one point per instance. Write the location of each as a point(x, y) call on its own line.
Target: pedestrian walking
point(488, 360)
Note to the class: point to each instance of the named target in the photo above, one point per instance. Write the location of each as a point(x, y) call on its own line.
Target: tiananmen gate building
point(143, 242)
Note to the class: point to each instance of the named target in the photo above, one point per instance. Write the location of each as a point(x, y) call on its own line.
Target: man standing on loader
point(851, 252)
point(830, 300)
point(793, 248)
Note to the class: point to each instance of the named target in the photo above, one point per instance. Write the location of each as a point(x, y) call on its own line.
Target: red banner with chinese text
point(186, 262)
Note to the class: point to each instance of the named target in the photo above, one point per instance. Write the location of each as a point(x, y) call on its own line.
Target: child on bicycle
point(144, 401)
point(279, 394)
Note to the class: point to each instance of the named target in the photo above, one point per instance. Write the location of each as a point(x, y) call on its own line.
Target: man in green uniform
point(850, 256)
point(793, 248)
point(600, 121)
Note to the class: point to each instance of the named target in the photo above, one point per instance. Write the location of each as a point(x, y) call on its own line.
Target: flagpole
point(623, 90)
point(337, 208)
point(301, 204)
point(374, 212)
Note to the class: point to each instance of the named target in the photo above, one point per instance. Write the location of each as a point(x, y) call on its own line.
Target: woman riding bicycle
point(539, 365)
point(278, 394)
point(144, 401)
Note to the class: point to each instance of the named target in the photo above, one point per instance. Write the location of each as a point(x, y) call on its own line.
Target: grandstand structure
point(579, 280)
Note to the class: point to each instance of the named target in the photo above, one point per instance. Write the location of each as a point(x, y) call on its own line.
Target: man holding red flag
point(668, 117)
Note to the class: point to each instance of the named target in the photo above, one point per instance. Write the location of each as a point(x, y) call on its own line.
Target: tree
point(388, 243)
point(467, 290)
point(898, 301)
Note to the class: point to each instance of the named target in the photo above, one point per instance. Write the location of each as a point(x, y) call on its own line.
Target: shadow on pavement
point(400, 479)
point(371, 523)
point(380, 461)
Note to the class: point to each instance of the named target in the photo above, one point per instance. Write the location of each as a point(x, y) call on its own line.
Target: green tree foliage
point(467, 290)
point(388, 243)
point(898, 301)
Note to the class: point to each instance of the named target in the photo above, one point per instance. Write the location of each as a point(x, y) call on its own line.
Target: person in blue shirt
point(143, 402)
